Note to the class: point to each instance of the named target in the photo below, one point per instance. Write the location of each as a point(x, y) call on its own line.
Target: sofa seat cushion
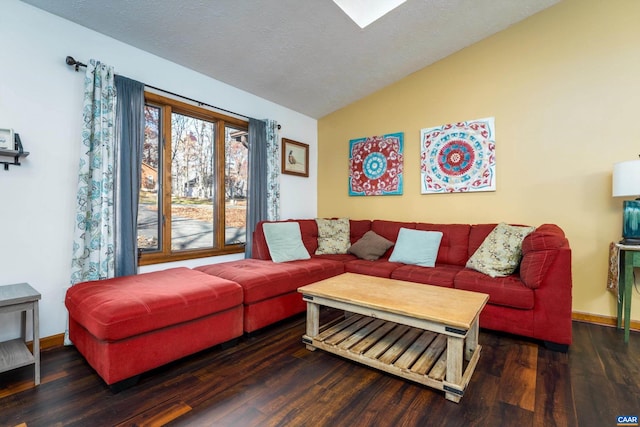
point(261, 279)
point(440, 275)
point(506, 291)
point(379, 268)
point(122, 307)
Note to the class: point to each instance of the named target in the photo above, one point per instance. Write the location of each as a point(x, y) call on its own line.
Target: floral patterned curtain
point(264, 176)
point(273, 171)
point(93, 242)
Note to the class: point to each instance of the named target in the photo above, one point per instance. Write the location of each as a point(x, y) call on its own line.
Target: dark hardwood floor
point(270, 379)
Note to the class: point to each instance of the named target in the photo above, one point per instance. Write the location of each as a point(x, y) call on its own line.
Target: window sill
point(158, 258)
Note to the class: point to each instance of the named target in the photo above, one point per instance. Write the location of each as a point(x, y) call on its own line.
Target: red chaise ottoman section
point(128, 325)
point(270, 288)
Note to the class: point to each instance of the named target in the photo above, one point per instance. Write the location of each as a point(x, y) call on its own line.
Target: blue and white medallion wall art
point(458, 157)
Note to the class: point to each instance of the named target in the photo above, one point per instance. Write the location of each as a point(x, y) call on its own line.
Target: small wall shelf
point(17, 154)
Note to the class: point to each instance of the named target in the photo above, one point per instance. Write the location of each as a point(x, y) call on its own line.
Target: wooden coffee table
point(427, 334)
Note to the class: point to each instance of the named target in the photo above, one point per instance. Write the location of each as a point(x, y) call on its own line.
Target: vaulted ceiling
point(306, 55)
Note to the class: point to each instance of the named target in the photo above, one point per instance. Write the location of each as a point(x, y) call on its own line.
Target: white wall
point(41, 99)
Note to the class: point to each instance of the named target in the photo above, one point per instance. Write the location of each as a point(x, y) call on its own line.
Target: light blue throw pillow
point(284, 241)
point(417, 247)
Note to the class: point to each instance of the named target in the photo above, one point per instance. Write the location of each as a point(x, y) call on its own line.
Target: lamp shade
point(626, 179)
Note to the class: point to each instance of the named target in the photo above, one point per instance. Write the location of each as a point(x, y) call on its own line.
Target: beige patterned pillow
point(333, 236)
point(501, 251)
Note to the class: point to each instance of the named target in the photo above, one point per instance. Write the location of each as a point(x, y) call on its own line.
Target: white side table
point(15, 353)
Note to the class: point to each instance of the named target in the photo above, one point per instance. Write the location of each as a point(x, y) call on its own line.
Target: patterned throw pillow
point(501, 251)
point(333, 236)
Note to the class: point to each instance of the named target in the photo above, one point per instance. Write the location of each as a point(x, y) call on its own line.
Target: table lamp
point(626, 183)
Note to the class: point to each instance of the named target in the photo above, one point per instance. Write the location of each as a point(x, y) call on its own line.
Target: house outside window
point(193, 192)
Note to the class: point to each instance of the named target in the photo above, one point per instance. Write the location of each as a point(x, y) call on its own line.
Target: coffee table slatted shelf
point(402, 328)
point(401, 350)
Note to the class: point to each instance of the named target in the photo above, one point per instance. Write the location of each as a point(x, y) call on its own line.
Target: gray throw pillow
point(371, 246)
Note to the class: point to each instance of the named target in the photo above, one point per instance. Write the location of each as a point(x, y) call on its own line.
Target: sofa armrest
point(259, 248)
point(553, 301)
point(539, 251)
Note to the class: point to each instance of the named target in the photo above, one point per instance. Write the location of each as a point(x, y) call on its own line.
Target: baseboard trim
point(602, 320)
point(54, 341)
point(47, 343)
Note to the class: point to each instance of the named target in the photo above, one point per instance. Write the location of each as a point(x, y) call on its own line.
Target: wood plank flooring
point(270, 379)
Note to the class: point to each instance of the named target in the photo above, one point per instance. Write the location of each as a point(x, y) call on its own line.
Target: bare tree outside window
point(201, 159)
point(236, 149)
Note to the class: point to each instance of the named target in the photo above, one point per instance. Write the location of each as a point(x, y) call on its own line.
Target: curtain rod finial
point(71, 61)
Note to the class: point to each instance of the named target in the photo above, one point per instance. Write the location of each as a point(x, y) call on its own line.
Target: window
point(193, 188)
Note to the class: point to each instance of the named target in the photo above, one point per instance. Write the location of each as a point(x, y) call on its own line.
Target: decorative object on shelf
point(7, 142)
point(376, 165)
point(626, 183)
point(458, 157)
point(295, 158)
point(14, 150)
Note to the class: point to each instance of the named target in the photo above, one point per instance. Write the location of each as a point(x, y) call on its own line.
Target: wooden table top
point(451, 307)
point(18, 293)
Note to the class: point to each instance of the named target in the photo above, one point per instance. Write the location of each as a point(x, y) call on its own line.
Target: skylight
point(364, 12)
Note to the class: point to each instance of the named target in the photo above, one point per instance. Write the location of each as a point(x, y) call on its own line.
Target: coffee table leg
point(455, 347)
point(471, 342)
point(313, 322)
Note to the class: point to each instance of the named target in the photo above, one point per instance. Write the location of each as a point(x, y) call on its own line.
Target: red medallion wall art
point(376, 165)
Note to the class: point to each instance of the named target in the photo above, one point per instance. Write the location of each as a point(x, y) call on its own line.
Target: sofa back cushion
point(358, 228)
point(477, 234)
point(455, 242)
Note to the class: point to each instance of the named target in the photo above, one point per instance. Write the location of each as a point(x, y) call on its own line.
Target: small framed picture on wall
point(295, 158)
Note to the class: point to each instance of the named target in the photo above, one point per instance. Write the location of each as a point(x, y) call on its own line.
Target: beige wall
point(564, 88)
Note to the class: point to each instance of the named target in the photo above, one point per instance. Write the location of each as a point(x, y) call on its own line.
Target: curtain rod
point(77, 64)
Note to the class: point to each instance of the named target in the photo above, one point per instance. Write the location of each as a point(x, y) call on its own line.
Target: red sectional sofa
point(534, 302)
point(128, 325)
